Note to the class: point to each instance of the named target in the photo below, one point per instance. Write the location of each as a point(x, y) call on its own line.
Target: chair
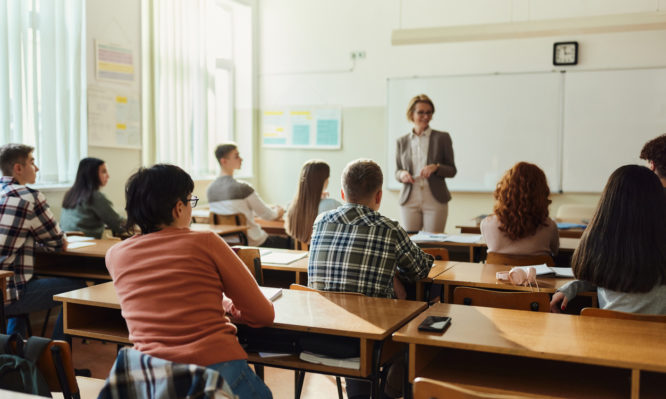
point(575, 213)
point(75, 233)
point(614, 314)
point(235, 219)
point(533, 301)
point(519, 260)
point(252, 259)
point(426, 388)
point(437, 253)
point(300, 245)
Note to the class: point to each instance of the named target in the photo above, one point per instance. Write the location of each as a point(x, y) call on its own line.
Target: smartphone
point(435, 323)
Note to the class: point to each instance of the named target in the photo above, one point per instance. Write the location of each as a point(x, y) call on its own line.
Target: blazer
point(440, 150)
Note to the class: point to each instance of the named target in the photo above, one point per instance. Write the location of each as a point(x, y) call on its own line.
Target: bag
point(18, 364)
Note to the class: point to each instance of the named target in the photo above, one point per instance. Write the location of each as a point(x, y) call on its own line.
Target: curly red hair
point(522, 200)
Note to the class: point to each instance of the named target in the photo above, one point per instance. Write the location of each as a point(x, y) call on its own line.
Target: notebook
point(78, 239)
point(271, 293)
point(544, 270)
point(283, 258)
point(349, 363)
point(422, 236)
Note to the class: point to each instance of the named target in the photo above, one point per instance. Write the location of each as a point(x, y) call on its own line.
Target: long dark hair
point(151, 193)
point(304, 208)
point(624, 246)
point(86, 183)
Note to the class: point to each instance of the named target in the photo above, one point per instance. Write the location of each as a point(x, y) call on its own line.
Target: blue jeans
point(242, 380)
point(38, 295)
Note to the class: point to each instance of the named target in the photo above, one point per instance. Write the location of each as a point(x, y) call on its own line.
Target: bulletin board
point(302, 127)
point(114, 118)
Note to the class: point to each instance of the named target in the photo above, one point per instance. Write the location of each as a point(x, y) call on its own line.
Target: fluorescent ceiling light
point(526, 29)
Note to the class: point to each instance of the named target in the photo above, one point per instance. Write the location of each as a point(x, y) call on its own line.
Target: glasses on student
point(194, 200)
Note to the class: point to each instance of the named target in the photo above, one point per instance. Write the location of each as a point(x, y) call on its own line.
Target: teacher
point(424, 159)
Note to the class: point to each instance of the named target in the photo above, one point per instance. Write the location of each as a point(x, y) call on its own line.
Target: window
point(198, 82)
point(43, 81)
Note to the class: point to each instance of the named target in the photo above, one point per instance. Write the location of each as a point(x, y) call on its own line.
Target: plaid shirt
point(355, 249)
point(136, 375)
point(25, 218)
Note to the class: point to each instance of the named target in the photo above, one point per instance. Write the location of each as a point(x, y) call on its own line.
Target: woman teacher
point(424, 159)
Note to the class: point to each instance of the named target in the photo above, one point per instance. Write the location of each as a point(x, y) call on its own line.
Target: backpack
point(18, 364)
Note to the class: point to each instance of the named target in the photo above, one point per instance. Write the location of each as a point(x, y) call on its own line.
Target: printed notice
point(302, 127)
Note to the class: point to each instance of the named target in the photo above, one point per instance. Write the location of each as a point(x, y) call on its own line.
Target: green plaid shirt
point(355, 249)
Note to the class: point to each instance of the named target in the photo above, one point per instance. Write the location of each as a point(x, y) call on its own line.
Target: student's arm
point(44, 227)
point(568, 292)
point(447, 165)
point(413, 264)
point(103, 208)
point(261, 209)
point(247, 304)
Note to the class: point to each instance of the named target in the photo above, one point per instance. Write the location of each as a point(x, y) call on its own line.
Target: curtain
point(43, 82)
point(178, 79)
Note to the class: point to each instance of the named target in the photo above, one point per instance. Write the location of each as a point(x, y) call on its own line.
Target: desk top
point(329, 313)
point(568, 233)
point(92, 251)
point(566, 244)
point(484, 276)
point(300, 265)
point(5, 274)
point(588, 340)
point(221, 229)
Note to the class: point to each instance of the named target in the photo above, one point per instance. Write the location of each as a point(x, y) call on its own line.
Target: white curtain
point(43, 82)
point(178, 83)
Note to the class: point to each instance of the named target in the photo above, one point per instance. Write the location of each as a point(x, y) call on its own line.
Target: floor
point(98, 357)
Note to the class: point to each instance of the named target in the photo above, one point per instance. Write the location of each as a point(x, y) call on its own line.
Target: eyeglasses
point(194, 200)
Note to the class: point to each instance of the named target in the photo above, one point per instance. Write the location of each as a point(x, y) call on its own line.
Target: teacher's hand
point(429, 170)
point(405, 177)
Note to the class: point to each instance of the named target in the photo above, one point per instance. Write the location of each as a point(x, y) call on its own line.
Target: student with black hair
point(623, 250)
point(84, 207)
point(175, 285)
point(654, 151)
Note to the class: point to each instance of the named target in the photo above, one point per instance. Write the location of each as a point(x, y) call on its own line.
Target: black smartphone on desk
point(435, 323)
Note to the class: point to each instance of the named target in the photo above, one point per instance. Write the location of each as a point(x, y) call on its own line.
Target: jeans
point(38, 295)
point(242, 380)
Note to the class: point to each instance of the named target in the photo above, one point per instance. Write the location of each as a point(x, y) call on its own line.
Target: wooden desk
point(564, 233)
point(85, 262)
point(94, 312)
point(272, 227)
point(541, 354)
point(298, 267)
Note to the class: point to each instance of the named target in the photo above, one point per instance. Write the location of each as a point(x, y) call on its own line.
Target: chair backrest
point(437, 253)
point(614, 314)
point(300, 245)
point(59, 378)
point(426, 388)
point(235, 219)
point(252, 259)
point(575, 213)
point(533, 301)
point(519, 260)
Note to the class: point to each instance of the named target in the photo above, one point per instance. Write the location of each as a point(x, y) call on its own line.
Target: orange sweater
point(170, 286)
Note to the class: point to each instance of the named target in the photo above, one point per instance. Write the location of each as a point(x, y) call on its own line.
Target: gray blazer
point(440, 150)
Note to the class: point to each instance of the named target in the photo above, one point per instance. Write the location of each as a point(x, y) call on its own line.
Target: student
point(26, 222)
point(520, 224)
point(654, 151)
point(311, 199)
point(623, 250)
point(356, 249)
point(227, 195)
point(84, 207)
point(170, 281)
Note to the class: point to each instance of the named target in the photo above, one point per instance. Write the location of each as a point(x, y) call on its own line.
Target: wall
point(302, 41)
point(119, 22)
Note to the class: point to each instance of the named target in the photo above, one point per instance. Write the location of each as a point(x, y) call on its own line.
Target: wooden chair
point(519, 260)
point(437, 253)
point(300, 245)
point(235, 219)
point(252, 259)
point(533, 301)
point(575, 213)
point(614, 314)
point(426, 388)
point(75, 233)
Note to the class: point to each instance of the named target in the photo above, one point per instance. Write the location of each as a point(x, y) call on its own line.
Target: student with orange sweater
point(171, 282)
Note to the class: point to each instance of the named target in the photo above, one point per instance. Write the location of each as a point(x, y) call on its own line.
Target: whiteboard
point(494, 121)
point(608, 117)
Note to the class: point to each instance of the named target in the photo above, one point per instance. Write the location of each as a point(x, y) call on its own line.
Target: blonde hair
point(305, 206)
point(421, 98)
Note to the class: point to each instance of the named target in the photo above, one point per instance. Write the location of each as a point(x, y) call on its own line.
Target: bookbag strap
point(35, 347)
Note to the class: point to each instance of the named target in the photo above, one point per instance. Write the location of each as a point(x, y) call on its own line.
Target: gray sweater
point(651, 302)
point(90, 217)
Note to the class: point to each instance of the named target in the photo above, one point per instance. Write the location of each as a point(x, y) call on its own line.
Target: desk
point(223, 230)
point(564, 233)
point(272, 227)
point(85, 262)
point(94, 312)
point(551, 355)
point(298, 267)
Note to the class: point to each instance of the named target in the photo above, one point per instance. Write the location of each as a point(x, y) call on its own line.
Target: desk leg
point(471, 254)
point(376, 360)
point(406, 386)
point(298, 278)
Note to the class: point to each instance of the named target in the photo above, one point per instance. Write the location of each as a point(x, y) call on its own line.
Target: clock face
point(565, 53)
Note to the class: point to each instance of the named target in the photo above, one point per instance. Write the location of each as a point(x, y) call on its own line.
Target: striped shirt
point(355, 249)
point(25, 221)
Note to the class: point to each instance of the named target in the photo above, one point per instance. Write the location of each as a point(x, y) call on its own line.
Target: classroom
point(347, 58)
